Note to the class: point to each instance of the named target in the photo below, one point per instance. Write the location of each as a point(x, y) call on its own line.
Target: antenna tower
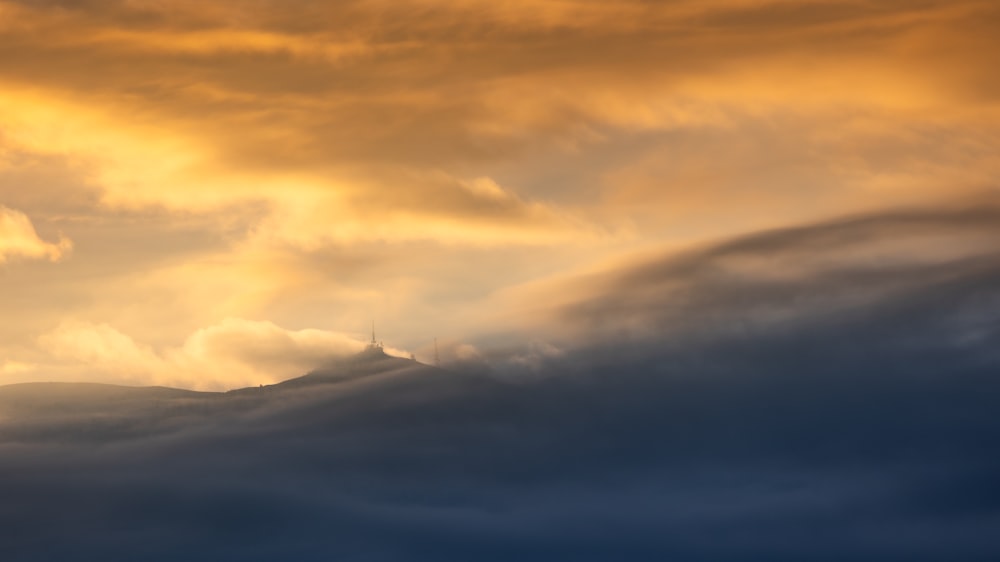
point(374, 344)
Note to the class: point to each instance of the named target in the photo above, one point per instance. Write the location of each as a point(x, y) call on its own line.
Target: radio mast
point(374, 344)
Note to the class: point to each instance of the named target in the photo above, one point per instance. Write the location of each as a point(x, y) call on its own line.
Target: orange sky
point(214, 194)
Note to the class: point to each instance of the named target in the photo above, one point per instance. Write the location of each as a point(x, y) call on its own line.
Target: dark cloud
point(781, 278)
point(860, 431)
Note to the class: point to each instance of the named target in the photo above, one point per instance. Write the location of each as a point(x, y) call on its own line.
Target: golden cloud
point(232, 354)
point(18, 239)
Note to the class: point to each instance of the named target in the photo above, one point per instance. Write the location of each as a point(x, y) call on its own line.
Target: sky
point(215, 195)
point(712, 280)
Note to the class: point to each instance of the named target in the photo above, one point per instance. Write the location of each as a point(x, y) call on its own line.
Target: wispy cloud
point(18, 239)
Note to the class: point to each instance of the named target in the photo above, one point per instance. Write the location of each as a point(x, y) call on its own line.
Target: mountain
point(372, 362)
point(103, 413)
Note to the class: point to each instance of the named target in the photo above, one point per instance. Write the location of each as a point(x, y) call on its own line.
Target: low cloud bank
point(687, 420)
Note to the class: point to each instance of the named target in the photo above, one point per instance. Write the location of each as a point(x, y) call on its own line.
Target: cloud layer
point(830, 394)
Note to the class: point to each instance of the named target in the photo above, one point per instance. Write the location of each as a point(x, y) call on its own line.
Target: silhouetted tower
point(374, 345)
point(437, 358)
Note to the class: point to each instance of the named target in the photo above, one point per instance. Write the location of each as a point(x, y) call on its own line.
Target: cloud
point(18, 239)
point(436, 208)
point(848, 426)
point(137, 165)
point(15, 367)
point(316, 115)
point(232, 354)
point(758, 287)
point(776, 278)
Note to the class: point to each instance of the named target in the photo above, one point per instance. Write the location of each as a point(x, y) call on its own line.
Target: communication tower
point(374, 345)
